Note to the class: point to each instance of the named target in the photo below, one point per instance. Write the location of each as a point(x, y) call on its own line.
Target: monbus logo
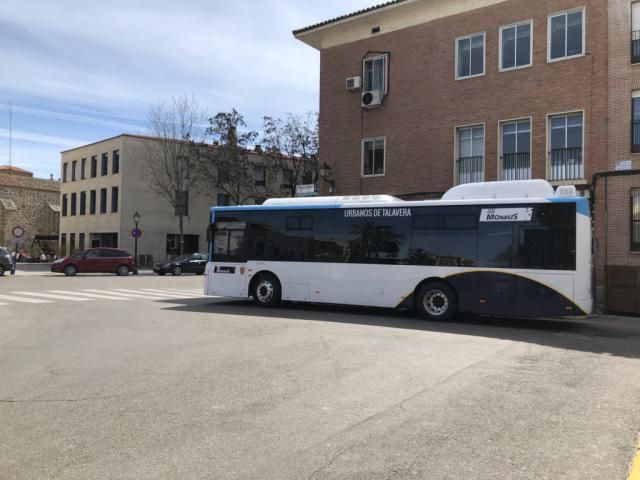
point(506, 214)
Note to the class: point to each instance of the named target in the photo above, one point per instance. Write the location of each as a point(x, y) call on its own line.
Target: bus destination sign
point(506, 214)
point(377, 212)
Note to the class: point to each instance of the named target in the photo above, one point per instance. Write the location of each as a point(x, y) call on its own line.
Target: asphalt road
point(154, 382)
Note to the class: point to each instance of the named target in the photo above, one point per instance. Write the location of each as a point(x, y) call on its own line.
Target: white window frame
point(584, 36)
point(384, 163)
point(385, 57)
point(456, 150)
point(500, 143)
point(548, 148)
point(516, 25)
point(484, 55)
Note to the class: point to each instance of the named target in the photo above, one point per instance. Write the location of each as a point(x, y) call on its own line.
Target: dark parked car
point(190, 263)
point(5, 261)
point(96, 260)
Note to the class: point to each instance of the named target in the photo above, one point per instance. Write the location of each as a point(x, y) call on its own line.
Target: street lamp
point(325, 173)
point(136, 220)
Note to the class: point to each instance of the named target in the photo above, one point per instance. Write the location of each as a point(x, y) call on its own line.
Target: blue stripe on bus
point(245, 208)
point(582, 204)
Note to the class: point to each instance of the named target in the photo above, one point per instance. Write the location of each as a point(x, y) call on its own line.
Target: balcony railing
point(635, 46)
point(635, 136)
point(516, 166)
point(566, 164)
point(470, 169)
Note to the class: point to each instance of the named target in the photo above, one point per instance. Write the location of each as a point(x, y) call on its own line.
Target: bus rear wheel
point(436, 301)
point(266, 290)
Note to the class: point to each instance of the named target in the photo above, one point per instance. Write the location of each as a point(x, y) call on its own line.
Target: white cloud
point(40, 138)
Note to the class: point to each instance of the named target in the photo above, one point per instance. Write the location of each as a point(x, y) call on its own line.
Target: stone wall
point(32, 199)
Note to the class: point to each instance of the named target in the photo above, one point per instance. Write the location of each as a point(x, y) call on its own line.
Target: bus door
point(227, 273)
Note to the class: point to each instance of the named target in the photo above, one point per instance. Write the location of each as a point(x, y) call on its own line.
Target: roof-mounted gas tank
point(501, 190)
point(333, 200)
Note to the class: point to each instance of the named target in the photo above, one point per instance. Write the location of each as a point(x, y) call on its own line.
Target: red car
point(96, 260)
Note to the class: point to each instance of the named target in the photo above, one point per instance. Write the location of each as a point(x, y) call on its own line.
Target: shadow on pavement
point(611, 335)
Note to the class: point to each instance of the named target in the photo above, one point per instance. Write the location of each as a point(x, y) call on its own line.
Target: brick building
point(419, 95)
point(31, 203)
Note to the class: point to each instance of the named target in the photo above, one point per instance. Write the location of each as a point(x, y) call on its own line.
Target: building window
point(635, 219)
point(635, 32)
point(74, 198)
point(63, 244)
point(104, 164)
point(470, 161)
point(114, 199)
point(72, 243)
point(115, 162)
point(74, 164)
point(83, 169)
point(635, 122)
point(64, 172)
point(515, 161)
point(375, 73)
point(182, 203)
point(260, 175)
point(81, 244)
point(94, 166)
point(373, 157)
point(470, 56)
point(83, 203)
point(64, 204)
point(223, 200)
point(565, 156)
point(566, 35)
point(92, 202)
point(103, 200)
point(516, 45)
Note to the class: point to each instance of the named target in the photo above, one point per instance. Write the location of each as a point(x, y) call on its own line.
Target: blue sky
point(79, 71)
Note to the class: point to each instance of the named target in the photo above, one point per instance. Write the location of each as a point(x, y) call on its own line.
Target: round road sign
point(136, 233)
point(17, 231)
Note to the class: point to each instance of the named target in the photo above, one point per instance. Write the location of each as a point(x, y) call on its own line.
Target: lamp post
point(136, 220)
point(325, 174)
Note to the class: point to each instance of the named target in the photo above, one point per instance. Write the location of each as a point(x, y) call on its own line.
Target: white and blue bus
point(495, 248)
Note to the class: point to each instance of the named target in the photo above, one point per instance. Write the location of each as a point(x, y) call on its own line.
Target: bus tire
point(266, 290)
point(436, 301)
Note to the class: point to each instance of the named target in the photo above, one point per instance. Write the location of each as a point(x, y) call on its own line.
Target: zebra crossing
point(92, 294)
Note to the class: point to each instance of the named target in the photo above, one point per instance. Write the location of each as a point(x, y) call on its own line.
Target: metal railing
point(516, 166)
point(470, 169)
point(635, 46)
point(565, 164)
point(635, 136)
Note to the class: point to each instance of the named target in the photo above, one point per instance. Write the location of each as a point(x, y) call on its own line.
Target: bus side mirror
point(210, 232)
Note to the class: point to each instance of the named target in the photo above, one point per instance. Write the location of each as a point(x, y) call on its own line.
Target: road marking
point(52, 296)
point(179, 292)
point(148, 295)
point(172, 292)
point(125, 293)
point(91, 295)
point(634, 474)
point(174, 295)
point(23, 300)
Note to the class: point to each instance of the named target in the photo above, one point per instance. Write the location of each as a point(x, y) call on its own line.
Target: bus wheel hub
point(436, 302)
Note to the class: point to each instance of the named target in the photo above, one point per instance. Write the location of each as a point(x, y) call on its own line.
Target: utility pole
point(10, 129)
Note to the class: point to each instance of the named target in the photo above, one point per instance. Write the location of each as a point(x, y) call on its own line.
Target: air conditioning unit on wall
point(371, 98)
point(353, 83)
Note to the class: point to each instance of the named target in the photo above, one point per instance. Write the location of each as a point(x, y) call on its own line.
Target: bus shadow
point(612, 335)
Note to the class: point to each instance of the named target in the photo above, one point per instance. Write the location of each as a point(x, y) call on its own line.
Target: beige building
point(31, 203)
point(103, 185)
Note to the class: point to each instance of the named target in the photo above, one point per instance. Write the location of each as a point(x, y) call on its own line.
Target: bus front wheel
point(266, 290)
point(436, 301)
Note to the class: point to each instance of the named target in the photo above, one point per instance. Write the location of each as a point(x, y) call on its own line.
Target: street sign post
point(17, 233)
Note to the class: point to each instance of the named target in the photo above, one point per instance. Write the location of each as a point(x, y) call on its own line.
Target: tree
point(179, 129)
point(228, 165)
point(291, 145)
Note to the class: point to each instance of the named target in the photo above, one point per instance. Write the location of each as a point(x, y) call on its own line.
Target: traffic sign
point(136, 233)
point(17, 231)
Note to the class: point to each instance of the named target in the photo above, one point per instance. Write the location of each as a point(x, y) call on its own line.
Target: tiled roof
point(15, 170)
point(348, 15)
point(19, 181)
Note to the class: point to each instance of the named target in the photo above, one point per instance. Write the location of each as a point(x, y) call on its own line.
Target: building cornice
point(388, 17)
